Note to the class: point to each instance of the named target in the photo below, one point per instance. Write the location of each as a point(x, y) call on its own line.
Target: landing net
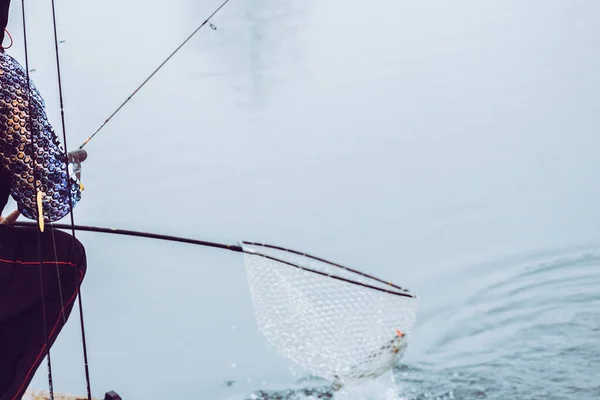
point(336, 322)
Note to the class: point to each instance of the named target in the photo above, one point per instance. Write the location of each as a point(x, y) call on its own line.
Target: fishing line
point(68, 182)
point(37, 184)
point(155, 71)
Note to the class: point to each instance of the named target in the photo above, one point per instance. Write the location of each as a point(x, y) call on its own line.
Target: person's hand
point(10, 219)
point(77, 156)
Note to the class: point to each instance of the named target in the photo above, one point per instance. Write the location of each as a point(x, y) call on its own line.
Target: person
point(40, 271)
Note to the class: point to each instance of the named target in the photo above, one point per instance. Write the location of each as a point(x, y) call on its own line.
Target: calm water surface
point(449, 147)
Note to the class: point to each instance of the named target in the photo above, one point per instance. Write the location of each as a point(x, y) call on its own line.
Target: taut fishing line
point(154, 72)
point(73, 238)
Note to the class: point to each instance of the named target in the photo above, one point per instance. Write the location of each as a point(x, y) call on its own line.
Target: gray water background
point(450, 147)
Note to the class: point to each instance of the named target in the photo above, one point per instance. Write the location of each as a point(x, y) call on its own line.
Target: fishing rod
point(148, 235)
point(154, 72)
point(390, 288)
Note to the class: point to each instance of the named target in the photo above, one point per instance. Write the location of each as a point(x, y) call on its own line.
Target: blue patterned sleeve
point(48, 156)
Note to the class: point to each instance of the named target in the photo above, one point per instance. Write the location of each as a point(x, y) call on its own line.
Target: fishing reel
point(77, 156)
point(75, 159)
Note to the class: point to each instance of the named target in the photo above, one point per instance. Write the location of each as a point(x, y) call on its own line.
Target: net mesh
point(332, 328)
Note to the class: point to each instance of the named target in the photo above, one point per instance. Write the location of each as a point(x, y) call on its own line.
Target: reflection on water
point(255, 46)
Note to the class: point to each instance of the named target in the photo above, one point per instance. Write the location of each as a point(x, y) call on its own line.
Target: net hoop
point(395, 290)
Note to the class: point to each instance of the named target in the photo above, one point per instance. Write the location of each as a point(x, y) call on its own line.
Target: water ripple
point(532, 334)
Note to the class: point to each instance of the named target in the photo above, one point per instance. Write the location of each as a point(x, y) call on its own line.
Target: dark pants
point(22, 340)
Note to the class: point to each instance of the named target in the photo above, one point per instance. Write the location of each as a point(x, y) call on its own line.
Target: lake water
point(450, 147)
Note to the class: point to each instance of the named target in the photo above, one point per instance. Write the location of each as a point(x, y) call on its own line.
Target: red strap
point(11, 40)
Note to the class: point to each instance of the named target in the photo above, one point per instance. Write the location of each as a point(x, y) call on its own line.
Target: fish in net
point(335, 322)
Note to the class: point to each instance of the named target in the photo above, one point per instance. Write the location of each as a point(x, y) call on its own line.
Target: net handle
point(401, 292)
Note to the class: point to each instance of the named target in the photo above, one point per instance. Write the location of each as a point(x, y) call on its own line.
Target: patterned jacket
point(19, 118)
